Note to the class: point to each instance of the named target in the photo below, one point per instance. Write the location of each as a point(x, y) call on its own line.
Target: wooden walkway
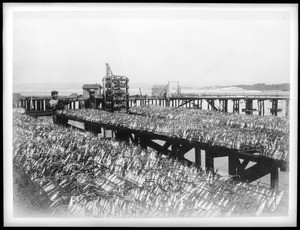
point(177, 147)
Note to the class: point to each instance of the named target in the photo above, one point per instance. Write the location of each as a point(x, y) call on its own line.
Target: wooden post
point(197, 156)
point(249, 106)
point(225, 105)
point(209, 160)
point(143, 143)
point(235, 102)
point(37, 105)
point(287, 107)
point(274, 107)
point(232, 164)
point(274, 177)
point(122, 136)
point(167, 102)
point(174, 149)
point(260, 109)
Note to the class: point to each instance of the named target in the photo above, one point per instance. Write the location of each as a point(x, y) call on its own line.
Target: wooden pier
point(174, 147)
point(240, 104)
point(177, 148)
point(219, 103)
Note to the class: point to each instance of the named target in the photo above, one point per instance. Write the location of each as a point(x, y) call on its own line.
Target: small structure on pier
point(87, 87)
point(157, 89)
point(172, 89)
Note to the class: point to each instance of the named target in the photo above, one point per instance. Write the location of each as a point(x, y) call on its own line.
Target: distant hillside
point(264, 87)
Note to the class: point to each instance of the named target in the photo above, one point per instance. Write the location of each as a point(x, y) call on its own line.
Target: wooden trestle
point(177, 148)
point(217, 103)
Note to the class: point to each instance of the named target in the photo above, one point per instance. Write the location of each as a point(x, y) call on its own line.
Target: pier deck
point(178, 147)
point(214, 102)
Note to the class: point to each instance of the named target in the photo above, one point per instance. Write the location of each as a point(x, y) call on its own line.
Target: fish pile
point(87, 176)
point(210, 128)
point(233, 120)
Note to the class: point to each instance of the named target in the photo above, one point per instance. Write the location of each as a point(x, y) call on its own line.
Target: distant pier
point(219, 103)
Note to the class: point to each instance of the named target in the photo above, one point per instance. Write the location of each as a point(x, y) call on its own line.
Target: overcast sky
point(191, 43)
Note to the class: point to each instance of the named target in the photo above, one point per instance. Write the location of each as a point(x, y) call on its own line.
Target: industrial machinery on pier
point(115, 91)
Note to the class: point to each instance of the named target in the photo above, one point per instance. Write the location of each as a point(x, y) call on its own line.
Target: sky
point(194, 44)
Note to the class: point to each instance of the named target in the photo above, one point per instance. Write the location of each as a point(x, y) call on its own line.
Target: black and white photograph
point(150, 114)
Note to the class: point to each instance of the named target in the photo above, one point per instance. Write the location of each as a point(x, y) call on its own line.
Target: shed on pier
point(157, 90)
point(87, 87)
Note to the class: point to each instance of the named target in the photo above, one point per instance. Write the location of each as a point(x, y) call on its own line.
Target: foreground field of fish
point(80, 174)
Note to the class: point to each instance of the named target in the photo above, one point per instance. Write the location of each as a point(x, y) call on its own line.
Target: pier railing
point(36, 103)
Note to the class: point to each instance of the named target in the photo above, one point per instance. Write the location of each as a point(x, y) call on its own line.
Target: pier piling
point(236, 105)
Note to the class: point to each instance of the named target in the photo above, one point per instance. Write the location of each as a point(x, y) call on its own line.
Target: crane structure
point(166, 92)
point(115, 91)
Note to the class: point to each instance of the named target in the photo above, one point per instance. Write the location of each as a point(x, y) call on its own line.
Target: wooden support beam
point(182, 150)
point(211, 102)
point(261, 109)
point(168, 102)
point(224, 105)
point(38, 107)
point(243, 165)
point(158, 147)
point(142, 141)
point(256, 171)
point(232, 164)
point(274, 108)
point(167, 144)
point(113, 134)
point(287, 107)
point(180, 147)
point(62, 120)
point(236, 106)
point(39, 113)
point(175, 149)
point(274, 177)
point(91, 128)
point(122, 136)
point(209, 160)
point(198, 156)
point(249, 106)
point(133, 139)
